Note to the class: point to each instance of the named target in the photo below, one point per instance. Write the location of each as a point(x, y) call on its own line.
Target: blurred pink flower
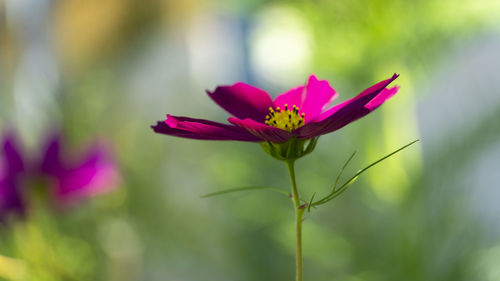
point(75, 179)
point(69, 179)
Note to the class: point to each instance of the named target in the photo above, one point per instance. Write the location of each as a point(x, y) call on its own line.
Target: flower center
point(286, 119)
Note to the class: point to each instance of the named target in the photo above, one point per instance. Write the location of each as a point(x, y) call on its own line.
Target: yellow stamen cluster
point(286, 119)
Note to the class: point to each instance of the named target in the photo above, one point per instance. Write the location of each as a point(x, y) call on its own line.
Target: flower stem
point(298, 220)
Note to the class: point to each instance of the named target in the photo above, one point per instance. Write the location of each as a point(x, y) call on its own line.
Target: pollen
point(286, 119)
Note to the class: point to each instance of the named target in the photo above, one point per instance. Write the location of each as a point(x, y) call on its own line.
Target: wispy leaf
point(310, 202)
point(246, 188)
point(342, 171)
point(341, 189)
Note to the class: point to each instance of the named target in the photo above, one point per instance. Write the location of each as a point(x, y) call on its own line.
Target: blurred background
point(109, 69)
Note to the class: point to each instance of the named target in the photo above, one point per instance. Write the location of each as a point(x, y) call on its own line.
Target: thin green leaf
point(334, 188)
point(246, 188)
point(342, 171)
point(353, 178)
point(340, 190)
point(310, 203)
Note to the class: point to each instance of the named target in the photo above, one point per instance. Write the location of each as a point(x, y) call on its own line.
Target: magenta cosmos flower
point(69, 180)
point(75, 178)
point(300, 114)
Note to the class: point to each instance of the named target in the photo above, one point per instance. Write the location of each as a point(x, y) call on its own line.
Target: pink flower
point(75, 179)
point(69, 179)
point(301, 113)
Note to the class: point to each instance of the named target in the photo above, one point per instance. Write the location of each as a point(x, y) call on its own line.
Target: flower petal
point(295, 96)
point(12, 154)
point(201, 129)
point(312, 99)
point(350, 110)
point(95, 175)
point(319, 95)
point(11, 166)
point(51, 162)
point(262, 131)
point(243, 101)
point(379, 99)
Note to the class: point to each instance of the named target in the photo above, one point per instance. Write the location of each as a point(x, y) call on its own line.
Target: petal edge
point(243, 101)
point(350, 110)
point(201, 129)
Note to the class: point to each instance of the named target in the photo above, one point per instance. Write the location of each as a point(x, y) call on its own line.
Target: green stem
point(298, 220)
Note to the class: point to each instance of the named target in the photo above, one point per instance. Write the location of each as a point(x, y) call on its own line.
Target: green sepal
point(292, 149)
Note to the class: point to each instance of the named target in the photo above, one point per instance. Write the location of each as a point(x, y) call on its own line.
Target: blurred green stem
point(299, 210)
